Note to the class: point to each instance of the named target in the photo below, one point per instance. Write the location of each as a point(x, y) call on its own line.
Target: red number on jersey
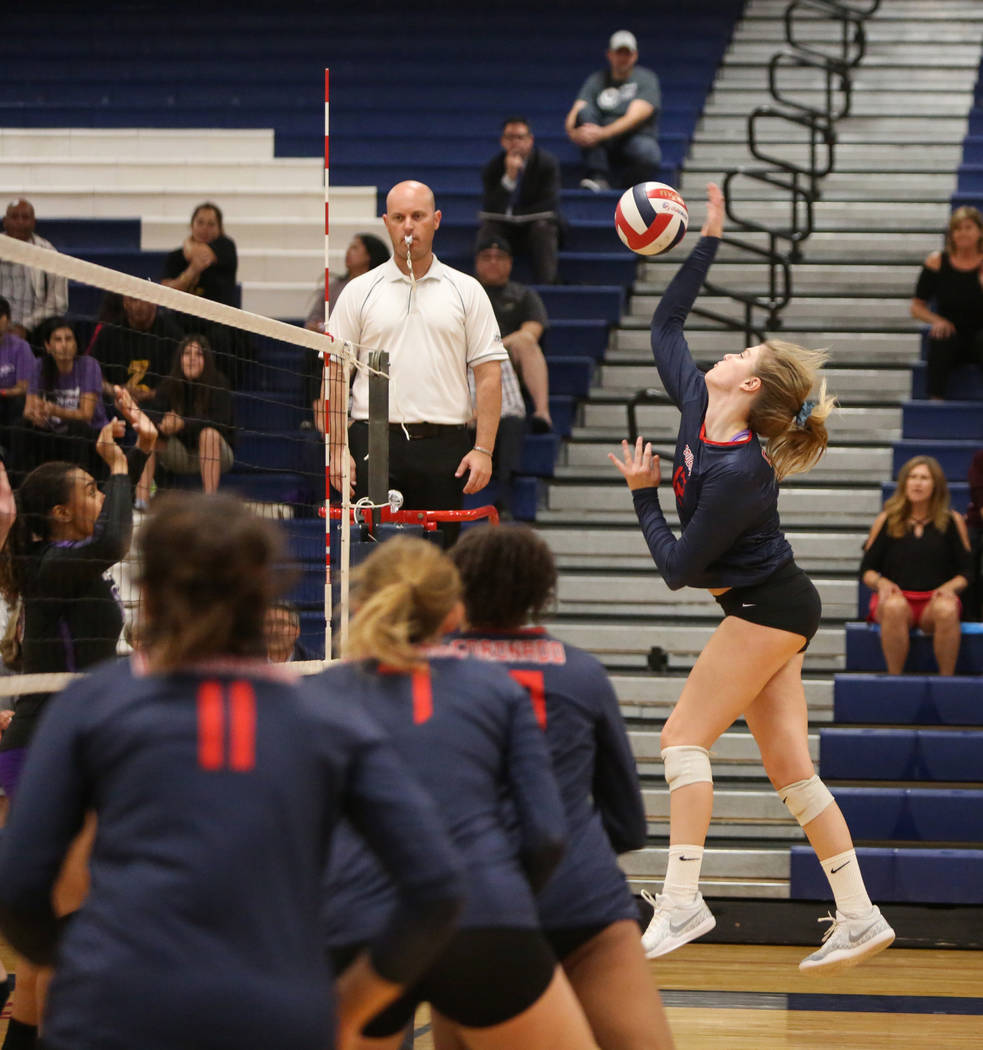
point(218, 709)
point(534, 684)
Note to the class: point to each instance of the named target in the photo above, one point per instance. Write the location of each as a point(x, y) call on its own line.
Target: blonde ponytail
point(783, 412)
point(403, 592)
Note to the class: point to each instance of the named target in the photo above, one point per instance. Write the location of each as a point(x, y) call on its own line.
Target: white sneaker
point(672, 927)
point(848, 942)
point(595, 184)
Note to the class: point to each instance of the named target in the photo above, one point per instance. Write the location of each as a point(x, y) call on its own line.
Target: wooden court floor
point(736, 997)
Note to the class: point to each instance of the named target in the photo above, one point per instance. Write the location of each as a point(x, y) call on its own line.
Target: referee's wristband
point(478, 448)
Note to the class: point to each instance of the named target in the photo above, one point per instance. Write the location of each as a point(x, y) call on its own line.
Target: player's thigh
point(778, 719)
point(737, 662)
point(614, 983)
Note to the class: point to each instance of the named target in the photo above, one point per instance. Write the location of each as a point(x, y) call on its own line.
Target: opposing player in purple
point(467, 731)
point(586, 911)
point(726, 488)
point(217, 780)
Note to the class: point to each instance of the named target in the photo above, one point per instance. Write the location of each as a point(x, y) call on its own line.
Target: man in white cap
point(615, 119)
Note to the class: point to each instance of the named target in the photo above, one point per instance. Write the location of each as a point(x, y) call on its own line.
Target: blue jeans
point(625, 160)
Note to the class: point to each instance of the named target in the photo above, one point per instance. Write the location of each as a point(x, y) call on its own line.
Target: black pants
point(540, 239)
point(965, 347)
point(421, 468)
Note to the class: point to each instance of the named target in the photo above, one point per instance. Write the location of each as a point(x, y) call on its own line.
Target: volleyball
point(651, 217)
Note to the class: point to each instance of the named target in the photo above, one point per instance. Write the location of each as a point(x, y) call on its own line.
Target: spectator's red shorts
point(917, 600)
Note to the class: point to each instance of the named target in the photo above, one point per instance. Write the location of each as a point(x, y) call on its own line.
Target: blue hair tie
point(804, 413)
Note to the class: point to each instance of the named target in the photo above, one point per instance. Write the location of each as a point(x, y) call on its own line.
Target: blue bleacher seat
point(958, 494)
point(863, 650)
point(953, 455)
point(934, 420)
point(907, 700)
point(901, 754)
point(922, 876)
point(965, 383)
point(539, 452)
point(76, 235)
point(600, 302)
point(912, 814)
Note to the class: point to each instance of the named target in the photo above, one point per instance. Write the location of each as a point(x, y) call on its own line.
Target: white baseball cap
point(623, 38)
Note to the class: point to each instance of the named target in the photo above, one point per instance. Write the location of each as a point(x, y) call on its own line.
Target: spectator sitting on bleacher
point(34, 295)
point(17, 364)
point(64, 409)
point(206, 264)
point(974, 524)
point(916, 560)
point(520, 199)
point(615, 119)
point(952, 280)
point(193, 413)
point(133, 342)
point(522, 319)
point(282, 628)
point(365, 252)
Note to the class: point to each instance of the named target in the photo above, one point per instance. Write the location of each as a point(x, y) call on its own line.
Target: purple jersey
point(467, 732)
point(726, 493)
point(17, 361)
point(594, 767)
point(84, 378)
point(216, 792)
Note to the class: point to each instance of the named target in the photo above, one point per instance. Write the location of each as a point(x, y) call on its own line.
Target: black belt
point(419, 430)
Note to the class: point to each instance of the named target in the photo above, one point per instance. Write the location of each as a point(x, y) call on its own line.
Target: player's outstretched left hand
point(640, 466)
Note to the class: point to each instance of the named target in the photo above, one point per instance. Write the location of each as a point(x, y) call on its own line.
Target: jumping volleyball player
point(586, 910)
point(468, 733)
point(726, 492)
point(217, 780)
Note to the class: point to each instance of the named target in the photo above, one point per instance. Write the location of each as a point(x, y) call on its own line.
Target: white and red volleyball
point(651, 218)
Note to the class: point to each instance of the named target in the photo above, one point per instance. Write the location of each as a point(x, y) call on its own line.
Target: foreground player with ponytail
point(217, 780)
point(732, 543)
point(467, 732)
point(586, 911)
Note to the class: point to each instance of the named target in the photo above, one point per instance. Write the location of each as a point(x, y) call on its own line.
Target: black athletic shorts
point(787, 599)
point(484, 977)
point(566, 941)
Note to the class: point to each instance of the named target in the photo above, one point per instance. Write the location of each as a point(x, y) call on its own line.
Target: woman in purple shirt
point(64, 407)
point(726, 489)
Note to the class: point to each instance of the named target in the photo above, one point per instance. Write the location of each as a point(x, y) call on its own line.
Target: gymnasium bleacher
point(902, 755)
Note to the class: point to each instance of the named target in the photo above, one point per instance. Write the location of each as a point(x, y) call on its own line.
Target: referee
point(436, 323)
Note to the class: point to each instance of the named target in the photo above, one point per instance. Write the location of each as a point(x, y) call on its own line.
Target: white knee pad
point(806, 799)
point(687, 764)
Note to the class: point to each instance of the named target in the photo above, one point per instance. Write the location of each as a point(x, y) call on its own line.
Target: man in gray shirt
point(615, 119)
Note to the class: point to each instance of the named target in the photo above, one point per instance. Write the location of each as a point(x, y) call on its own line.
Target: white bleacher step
point(162, 233)
point(840, 187)
point(652, 696)
point(846, 463)
point(828, 31)
point(278, 298)
point(884, 157)
point(861, 311)
point(819, 507)
point(645, 593)
point(734, 753)
point(139, 144)
point(739, 101)
point(721, 865)
point(895, 248)
point(806, 278)
point(618, 544)
point(852, 129)
point(753, 889)
point(874, 215)
point(863, 347)
point(204, 176)
point(897, 53)
point(872, 75)
point(621, 376)
point(626, 642)
point(738, 813)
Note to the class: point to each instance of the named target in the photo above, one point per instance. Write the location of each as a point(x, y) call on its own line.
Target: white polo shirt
point(433, 332)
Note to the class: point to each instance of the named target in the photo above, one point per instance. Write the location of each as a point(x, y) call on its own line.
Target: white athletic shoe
point(671, 927)
point(848, 942)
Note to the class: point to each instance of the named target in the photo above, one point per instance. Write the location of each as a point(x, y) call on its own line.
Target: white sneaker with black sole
point(849, 942)
point(672, 927)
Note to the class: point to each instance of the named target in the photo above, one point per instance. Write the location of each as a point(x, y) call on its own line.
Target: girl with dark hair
point(467, 731)
point(193, 410)
point(586, 910)
point(66, 537)
point(217, 781)
point(64, 407)
point(726, 489)
point(917, 561)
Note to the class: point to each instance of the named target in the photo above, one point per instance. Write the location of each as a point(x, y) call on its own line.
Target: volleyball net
point(237, 398)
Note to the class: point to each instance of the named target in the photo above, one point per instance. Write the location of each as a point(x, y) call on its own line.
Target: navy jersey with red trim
point(468, 733)
point(726, 494)
point(216, 794)
point(575, 704)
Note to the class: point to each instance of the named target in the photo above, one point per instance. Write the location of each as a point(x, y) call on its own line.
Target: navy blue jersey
point(726, 494)
point(468, 733)
point(594, 767)
point(216, 793)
